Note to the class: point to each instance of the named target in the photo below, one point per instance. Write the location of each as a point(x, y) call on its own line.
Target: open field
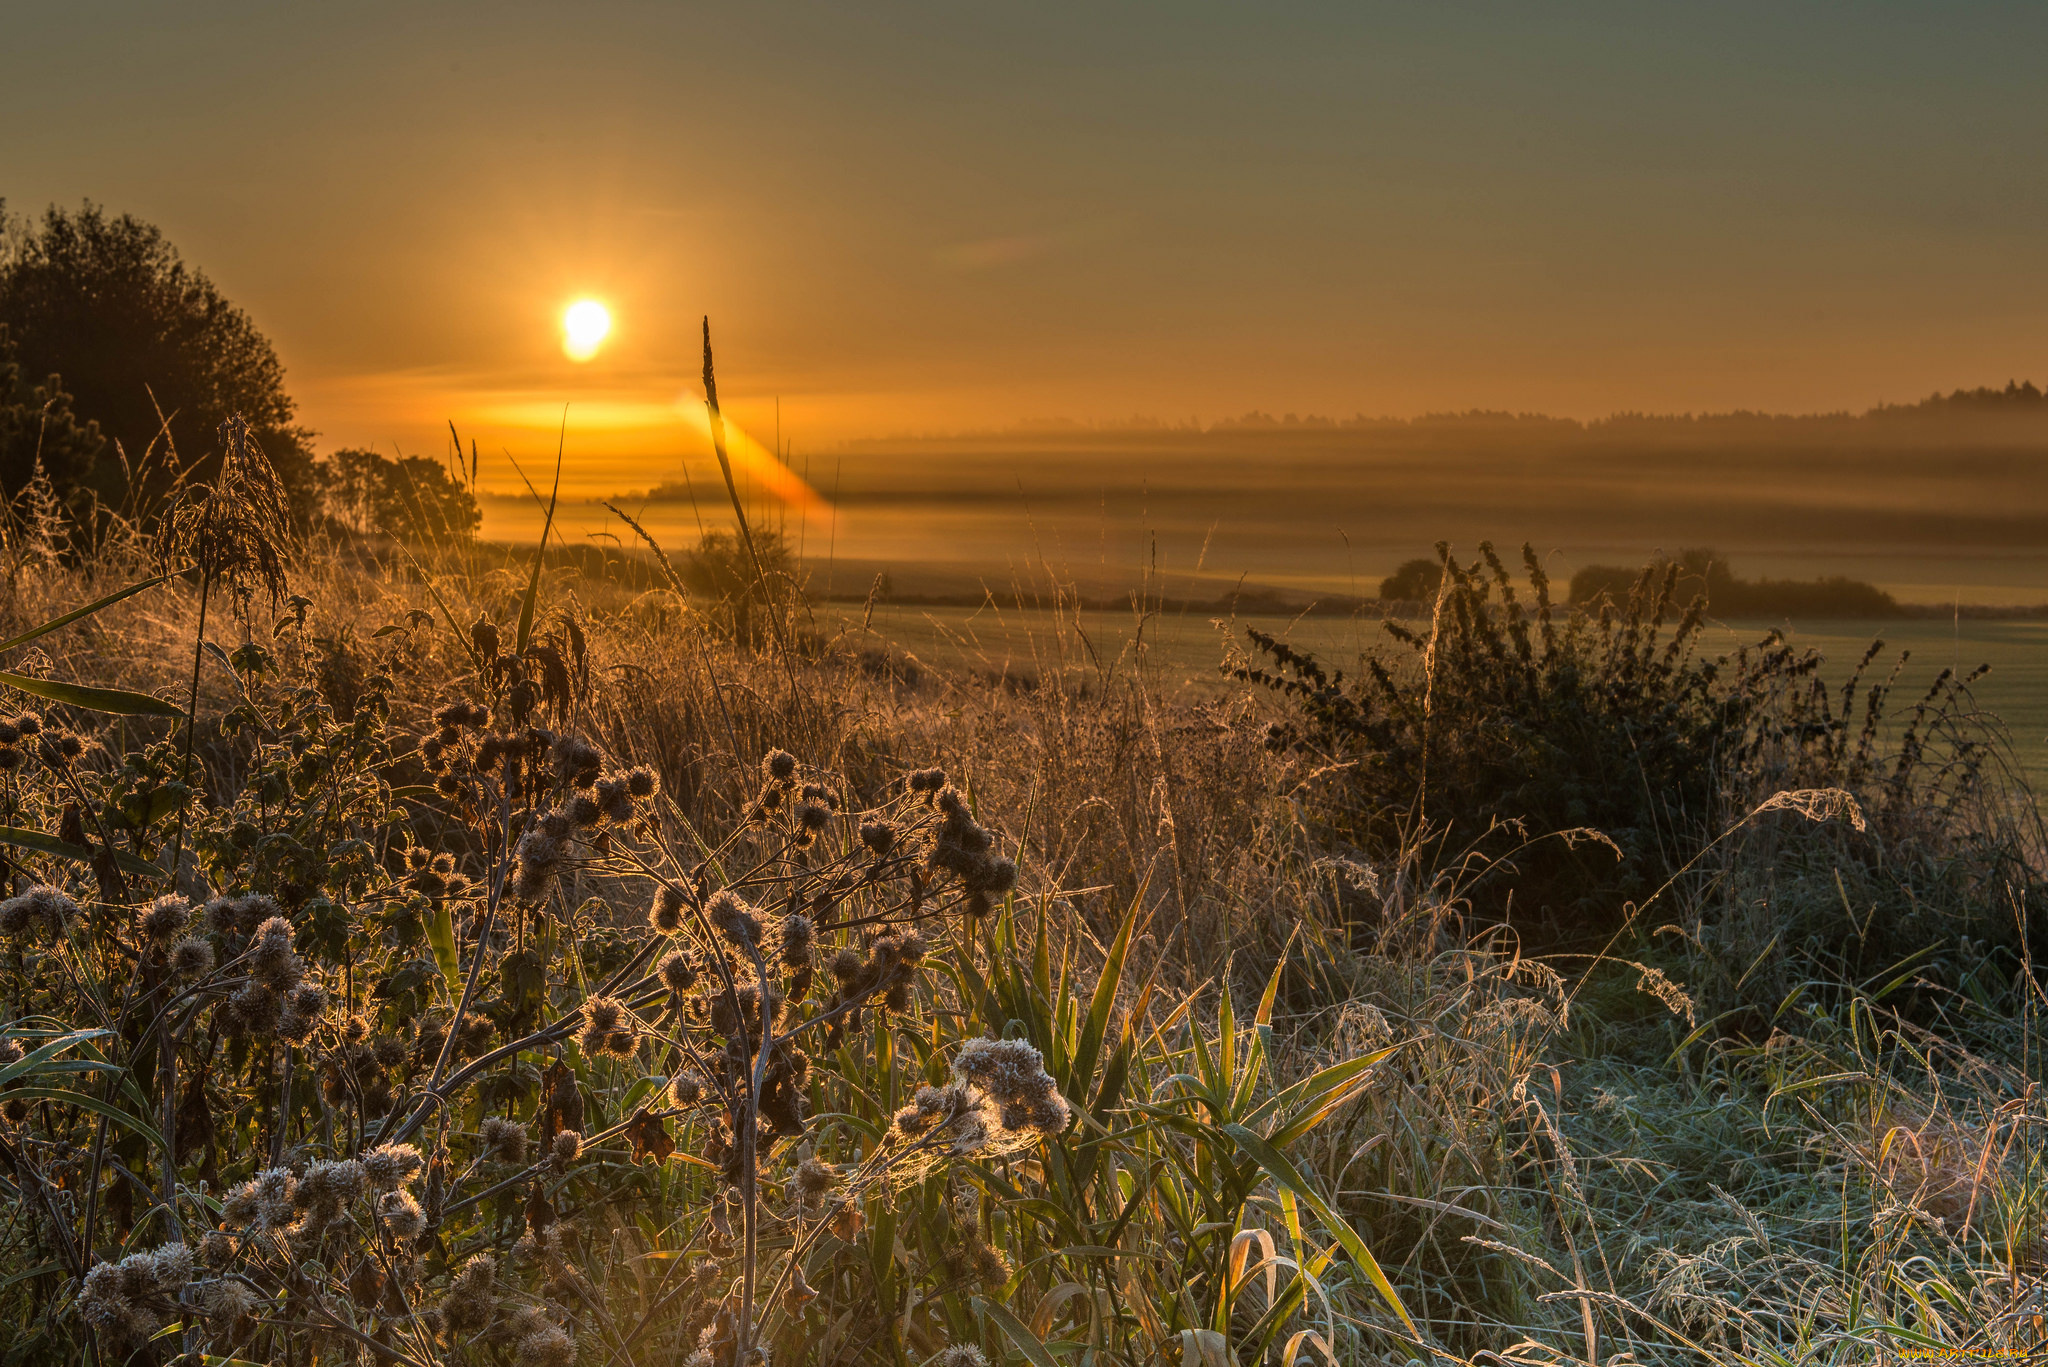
point(1185, 653)
point(1933, 508)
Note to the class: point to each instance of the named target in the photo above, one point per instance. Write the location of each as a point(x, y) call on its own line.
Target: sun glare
point(585, 324)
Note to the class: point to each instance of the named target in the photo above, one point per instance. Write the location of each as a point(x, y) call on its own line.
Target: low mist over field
point(1935, 501)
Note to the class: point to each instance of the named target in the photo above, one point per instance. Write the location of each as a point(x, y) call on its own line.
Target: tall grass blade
point(43, 843)
point(118, 701)
point(1028, 1343)
point(76, 613)
point(540, 555)
point(1287, 1175)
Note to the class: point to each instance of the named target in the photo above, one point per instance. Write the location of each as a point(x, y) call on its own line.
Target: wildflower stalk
point(740, 515)
point(191, 718)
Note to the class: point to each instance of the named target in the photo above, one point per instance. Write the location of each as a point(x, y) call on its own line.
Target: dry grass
point(1285, 1050)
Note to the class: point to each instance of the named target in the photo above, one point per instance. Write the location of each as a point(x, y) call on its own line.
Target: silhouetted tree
point(1416, 581)
point(108, 304)
point(36, 422)
point(363, 494)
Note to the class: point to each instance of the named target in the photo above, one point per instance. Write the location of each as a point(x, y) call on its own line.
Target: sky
point(930, 217)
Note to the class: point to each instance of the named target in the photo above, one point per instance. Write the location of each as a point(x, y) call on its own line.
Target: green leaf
point(1027, 1342)
point(21, 1067)
point(29, 1274)
point(1284, 1172)
point(88, 610)
point(1313, 1095)
point(118, 701)
point(89, 1103)
point(49, 844)
point(1089, 1049)
point(441, 935)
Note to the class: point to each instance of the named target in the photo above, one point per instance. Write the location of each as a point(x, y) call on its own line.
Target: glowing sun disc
point(585, 324)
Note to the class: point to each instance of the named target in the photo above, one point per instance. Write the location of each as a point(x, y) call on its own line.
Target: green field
point(1186, 651)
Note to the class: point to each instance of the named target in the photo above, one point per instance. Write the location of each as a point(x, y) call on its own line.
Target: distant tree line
point(1701, 572)
point(1706, 573)
point(119, 363)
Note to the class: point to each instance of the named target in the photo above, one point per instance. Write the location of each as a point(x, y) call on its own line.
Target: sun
point(585, 325)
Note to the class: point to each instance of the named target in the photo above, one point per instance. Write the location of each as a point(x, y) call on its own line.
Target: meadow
point(1186, 653)
point(452, 954)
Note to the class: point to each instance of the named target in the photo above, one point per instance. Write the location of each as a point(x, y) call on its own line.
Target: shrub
point(1583, 758)
point(1417, 581)
point(1582, 753)
point(1705, 574)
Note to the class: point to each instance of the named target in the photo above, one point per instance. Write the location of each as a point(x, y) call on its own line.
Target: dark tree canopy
point(107, 303)
point(1416, 581)
point(37, 423)
point(365, 495)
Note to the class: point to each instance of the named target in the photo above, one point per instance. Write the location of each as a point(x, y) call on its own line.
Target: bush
point(1417, 581)
point(738, 599)
point(363, 494)
point(1585, 758)
point(155, 354)
point(1580, 756)
point(1704, 574)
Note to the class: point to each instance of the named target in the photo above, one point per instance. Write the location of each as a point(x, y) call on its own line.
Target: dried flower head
point(614, 799)
point(300, 1012)
point(391, 1166)
point(739, 1012)
point(608, 1028)
point(798, 935)
point(576, 760)
point(165, 919)
point(878, 836)
point(40, 908)
point(265, 1201)
point(779, 765)
point(253, 1010)
point(677, 971)
point(567, 1146)
point(732, 917)
point(192, 957)
point(271, 960)
point(130, 1299)
point(225, 1301)
point(472, 1297)
point(401, 1215)
point(504, 1141)
point(814, 1178)
point(542, 1344)
point(666, 914)
point(1012, 1075)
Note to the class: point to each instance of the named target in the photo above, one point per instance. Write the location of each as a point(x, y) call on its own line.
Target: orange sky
point(927, 217)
